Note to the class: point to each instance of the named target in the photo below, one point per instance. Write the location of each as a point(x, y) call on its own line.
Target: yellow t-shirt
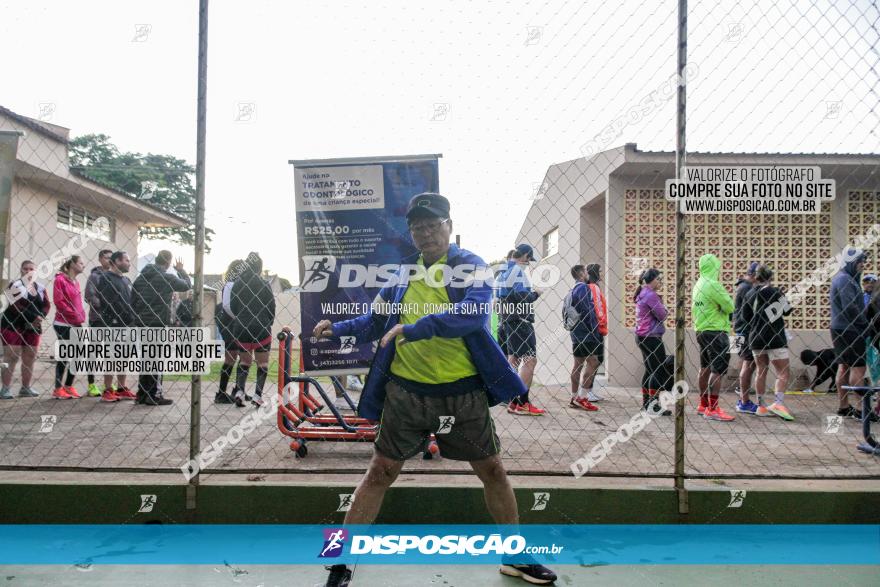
point(438, 359)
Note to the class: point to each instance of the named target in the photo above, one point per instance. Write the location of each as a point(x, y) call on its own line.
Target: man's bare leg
point(370, 492)
point(497, 490)
point(746, 370)
point(527, 370)
point(841, 380)
point(856, 378)
point(576, 374)
point(703, 384)
point(590, 372)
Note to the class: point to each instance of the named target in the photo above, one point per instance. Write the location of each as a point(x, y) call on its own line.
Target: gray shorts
point(461, 424)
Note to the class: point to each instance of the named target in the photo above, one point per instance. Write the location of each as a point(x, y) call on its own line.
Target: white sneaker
point(238, 398)
point(807, 390)
point(353, 383)
point(592, 396)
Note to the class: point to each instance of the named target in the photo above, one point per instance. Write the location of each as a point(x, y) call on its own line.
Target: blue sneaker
point(749, 407)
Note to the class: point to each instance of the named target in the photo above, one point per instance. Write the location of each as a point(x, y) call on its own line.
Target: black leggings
point(654, 354)
point(63, 333)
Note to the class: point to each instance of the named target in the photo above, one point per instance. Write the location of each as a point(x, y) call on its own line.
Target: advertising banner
point(350, 221)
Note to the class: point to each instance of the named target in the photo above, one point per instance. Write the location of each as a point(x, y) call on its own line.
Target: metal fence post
point(680, 136)
point(198, 286)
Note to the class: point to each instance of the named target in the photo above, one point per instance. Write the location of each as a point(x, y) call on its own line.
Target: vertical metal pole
point(198, 289)
point(680, 293)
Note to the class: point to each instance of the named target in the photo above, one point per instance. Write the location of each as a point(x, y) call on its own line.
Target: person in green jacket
point(711, 308)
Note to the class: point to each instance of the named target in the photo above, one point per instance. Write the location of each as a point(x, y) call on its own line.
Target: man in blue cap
point(437, 370)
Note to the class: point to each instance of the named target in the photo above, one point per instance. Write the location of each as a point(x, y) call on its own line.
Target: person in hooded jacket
point(225, 321)
point(763, 310)
point(151, 296)
point(848, 326)
point(20, 328)
point(91, 297)
point(711, 307)
point(253, 306)
point(69, 313)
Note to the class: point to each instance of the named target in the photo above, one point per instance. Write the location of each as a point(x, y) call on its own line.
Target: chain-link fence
point(601, 219)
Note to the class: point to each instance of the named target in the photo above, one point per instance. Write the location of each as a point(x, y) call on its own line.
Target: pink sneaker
point(719, 415)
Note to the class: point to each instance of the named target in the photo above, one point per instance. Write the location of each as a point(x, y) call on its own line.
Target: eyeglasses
point(427, 227)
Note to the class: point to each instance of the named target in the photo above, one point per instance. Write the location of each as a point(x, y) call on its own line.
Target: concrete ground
point(44, 432)
point(440, 576)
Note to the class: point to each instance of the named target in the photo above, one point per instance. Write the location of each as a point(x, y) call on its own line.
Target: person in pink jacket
point(69, 313)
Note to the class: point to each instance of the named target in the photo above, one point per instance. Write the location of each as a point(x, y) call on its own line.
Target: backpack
point(570, 316)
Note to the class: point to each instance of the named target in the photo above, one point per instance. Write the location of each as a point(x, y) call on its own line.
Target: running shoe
point(533, 410)
point(718, 415)
point(762, 411)
point(850, 412)
point(654, 407)
point(125, 393)
point(109, 396)
point(153, 400)
point(239, 398)
point(748, 407)
point(221, 397)
point(258, 400)
point(5, 393)
point(71, 391)
point(781, 411)
point(60, 393)
point(701, 410)
point(807, 390)
point(582, 403)
point(340, 576)
point(535, 574)
point(27, 392)
point(517, 409)
point(94, 390)
point(593, 396)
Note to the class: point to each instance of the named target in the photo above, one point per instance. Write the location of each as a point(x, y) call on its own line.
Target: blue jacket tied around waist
point(467, 319)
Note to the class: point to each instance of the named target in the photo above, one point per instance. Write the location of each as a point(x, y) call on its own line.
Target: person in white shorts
point(764, 309)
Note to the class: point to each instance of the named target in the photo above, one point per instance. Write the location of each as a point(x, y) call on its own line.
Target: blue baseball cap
point(753, 268)
point(528, 251)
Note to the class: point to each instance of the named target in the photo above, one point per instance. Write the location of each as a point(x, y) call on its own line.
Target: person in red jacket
point(69, 313)
point(20, 327)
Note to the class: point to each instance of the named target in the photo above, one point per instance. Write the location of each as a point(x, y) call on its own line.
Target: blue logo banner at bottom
point(441, 544)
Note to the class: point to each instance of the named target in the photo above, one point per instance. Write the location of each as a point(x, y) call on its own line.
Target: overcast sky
point(524, 85)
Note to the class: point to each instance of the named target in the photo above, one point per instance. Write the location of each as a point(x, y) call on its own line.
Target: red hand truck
point(301, 419)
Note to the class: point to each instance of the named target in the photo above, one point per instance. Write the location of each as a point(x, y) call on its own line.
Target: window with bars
point(82, 221)
point(551, 242)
